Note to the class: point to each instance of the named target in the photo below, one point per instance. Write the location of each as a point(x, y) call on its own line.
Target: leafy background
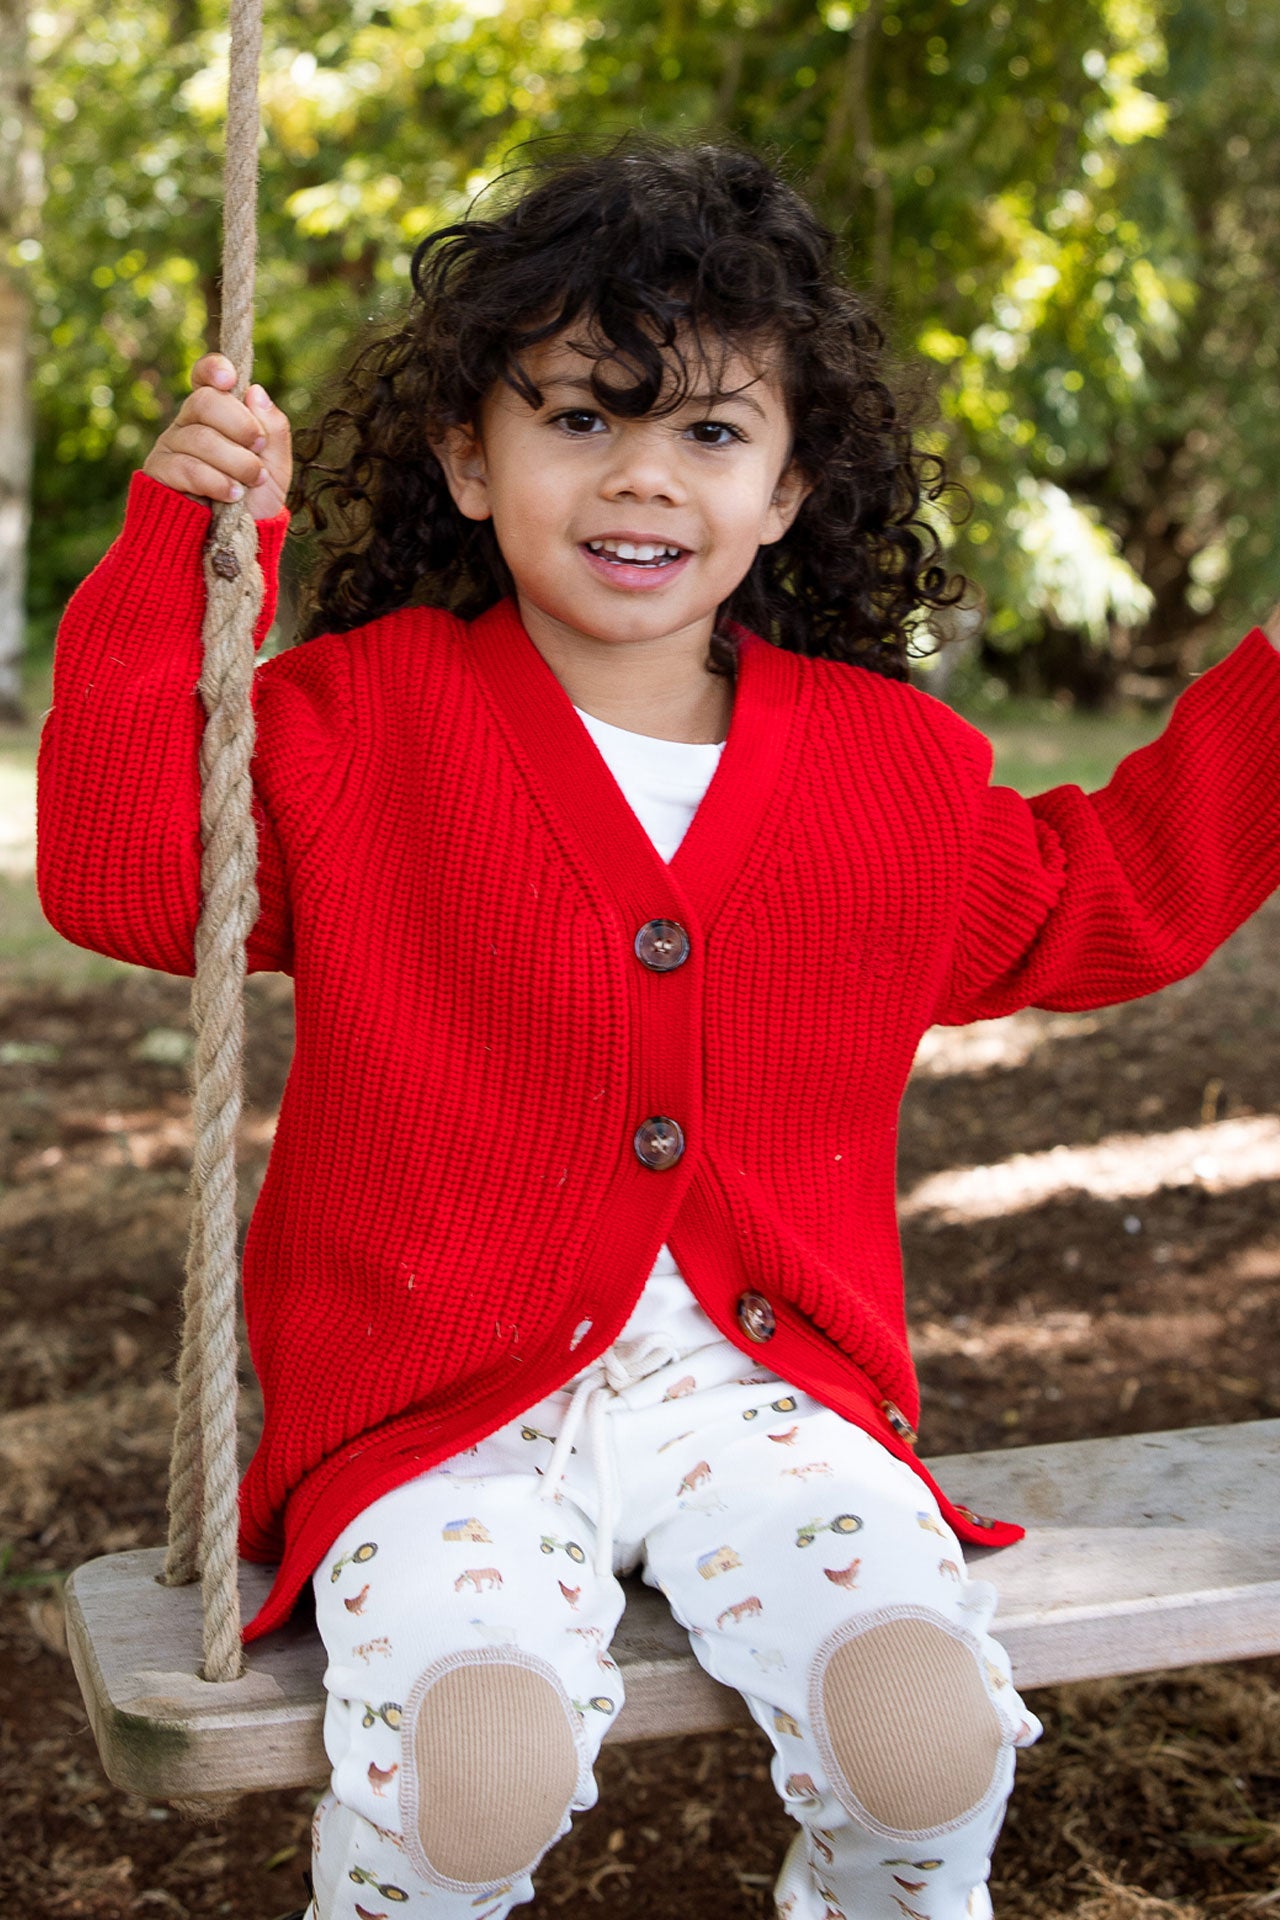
point(1067, 209)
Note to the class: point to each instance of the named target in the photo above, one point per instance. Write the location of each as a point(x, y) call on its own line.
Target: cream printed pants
point(467, 1616)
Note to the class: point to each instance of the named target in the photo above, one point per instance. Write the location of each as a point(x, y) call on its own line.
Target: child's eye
point(717, 426)
point(587, 413)
point(573, 413)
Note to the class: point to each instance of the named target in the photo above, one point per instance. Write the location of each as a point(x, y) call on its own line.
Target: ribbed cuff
point(164, 533)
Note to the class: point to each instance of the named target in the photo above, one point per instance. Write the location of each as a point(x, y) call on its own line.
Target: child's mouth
point(634, 573)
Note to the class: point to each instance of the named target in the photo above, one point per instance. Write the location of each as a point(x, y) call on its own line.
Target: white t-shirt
point(662, 781)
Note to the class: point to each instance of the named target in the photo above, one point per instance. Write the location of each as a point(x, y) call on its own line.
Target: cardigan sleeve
point(1074, 900)
point(117, 774)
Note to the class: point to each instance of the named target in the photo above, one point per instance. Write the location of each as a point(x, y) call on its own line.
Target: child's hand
point(1271, 627)
point(218, 443)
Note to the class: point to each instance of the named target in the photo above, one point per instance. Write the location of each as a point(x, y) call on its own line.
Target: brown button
point(974, 1519)
point(663, 945)
point(899, 1422)
point(756, 1317)
point(659, 1142)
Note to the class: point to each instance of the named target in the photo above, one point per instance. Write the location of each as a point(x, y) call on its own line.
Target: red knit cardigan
point(455, 882)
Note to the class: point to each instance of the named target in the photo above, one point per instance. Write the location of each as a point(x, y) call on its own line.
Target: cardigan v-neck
point(663, 781)
point(561, 758)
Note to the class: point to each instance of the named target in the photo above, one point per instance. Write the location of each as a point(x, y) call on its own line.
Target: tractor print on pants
point(787, 1404)
point(361, 1554)
point(363, 1878)
point(843, 1523)
point(536, 1433)
point(549, 1543)
point(391, 1713)
point(598, 1703)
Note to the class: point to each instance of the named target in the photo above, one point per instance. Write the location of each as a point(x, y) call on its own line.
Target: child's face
point(556, 477)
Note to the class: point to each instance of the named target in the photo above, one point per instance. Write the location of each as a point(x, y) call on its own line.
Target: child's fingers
point(213, 370)
point(259, 424)
point(211, 447)
point(272, 420)
point(218, 444)
point(196, 478)
point(223, 412)
point(198, 458)
point(254, 421)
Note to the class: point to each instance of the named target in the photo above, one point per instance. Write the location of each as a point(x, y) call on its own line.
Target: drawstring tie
point(595, 1394)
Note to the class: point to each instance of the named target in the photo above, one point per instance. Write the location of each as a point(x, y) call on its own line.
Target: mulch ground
point(1144, 1300)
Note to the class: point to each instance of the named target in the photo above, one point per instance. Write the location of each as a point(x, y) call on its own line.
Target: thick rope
point(203, 1484)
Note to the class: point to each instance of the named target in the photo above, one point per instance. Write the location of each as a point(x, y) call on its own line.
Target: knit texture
point(454, 880)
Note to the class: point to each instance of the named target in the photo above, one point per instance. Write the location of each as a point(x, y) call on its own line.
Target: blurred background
point(1068, 211)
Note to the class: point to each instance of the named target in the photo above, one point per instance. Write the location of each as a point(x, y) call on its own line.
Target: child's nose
point(644, 468)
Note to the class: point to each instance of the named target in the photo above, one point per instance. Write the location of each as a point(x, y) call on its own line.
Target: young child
point(619, 869)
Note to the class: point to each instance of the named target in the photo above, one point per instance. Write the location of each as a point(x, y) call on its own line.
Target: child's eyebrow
point(692, 399)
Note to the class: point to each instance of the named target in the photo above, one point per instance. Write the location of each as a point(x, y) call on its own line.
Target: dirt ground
point(1113, 1269)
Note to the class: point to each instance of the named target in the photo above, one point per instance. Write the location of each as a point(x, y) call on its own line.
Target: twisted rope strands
point(203, 1492)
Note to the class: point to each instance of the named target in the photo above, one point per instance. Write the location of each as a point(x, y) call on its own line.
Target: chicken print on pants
point(843, 1576)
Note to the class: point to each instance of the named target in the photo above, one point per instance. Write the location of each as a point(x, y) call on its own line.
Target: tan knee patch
point(908, 1730)
point(492, 1766)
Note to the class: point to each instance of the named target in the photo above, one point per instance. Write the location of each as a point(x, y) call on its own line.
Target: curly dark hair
point(691, 239)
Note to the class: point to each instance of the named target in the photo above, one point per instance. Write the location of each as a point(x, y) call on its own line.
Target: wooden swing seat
point(1144, 1552)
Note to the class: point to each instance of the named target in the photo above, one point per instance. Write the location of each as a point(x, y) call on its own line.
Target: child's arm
point(1076, 900)
point(118, 784)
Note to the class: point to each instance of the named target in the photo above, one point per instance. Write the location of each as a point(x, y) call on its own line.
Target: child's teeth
point(623, 550)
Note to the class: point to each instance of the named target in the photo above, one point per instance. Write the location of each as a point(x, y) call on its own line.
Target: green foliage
point(1065, 206)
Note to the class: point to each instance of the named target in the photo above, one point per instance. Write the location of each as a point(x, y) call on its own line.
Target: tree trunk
point(20, 196)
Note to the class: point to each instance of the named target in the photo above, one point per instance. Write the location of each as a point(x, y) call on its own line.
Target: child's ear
point(790, 494)
point(461, 455)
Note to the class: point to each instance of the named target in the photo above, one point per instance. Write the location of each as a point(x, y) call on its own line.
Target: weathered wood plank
point(1143, 1552)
